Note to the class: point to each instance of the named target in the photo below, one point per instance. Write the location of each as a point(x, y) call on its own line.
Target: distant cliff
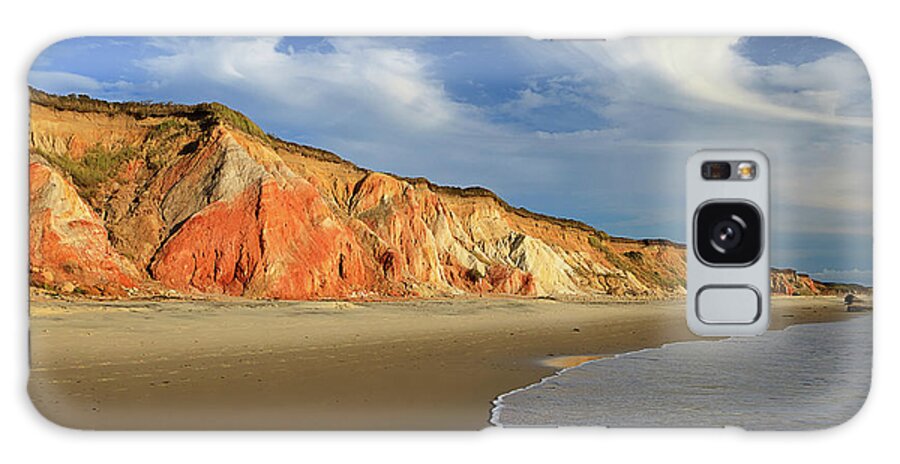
point(140, 199)
point(790, 282)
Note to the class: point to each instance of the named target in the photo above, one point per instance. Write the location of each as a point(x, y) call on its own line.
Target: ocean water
point(809, 376)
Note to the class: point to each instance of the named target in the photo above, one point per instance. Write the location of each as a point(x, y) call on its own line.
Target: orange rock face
point(307, 252)
point(69, 248)
point(423, 244)
point(217, 250)
point(399, 216)
point(790, 282)
point(268, 242)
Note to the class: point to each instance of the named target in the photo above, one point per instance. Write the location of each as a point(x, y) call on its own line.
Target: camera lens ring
point(749, 221)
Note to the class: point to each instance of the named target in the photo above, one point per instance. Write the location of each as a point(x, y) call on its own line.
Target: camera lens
point(728, 233)
point(716, 170)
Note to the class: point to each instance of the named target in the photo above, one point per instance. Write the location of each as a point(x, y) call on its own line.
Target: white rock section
point(490, 236)
point(229, 171)
point(61, 198)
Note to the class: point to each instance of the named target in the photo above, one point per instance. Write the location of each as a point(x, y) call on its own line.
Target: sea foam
point(809, 376)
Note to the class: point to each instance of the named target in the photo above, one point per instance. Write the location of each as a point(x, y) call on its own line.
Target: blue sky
point(593, 130)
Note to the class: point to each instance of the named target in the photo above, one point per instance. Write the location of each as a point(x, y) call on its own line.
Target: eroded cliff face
point(790, 282)
point(69, 248)
point(197, 199)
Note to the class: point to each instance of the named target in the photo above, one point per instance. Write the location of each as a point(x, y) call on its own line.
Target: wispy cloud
point(858, 276)
point(363, 82)
point(710, 74)
point(62, 82)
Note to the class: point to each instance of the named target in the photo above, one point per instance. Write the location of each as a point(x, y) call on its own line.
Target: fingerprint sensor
point(727, 304)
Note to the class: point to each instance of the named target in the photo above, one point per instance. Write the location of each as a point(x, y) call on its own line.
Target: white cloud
point(844, 275)
point(837, 86)
point(61, 82)
point(357, 80)
point(710, 72)
point(64, 83)
point(674, 96)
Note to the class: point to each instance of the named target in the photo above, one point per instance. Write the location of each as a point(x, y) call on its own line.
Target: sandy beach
point(329, 365)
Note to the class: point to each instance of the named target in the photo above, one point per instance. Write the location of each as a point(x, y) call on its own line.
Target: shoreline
point(38, 295)
point(565, 410)
point(329, 365)
point(569, 363)
point(41, 296)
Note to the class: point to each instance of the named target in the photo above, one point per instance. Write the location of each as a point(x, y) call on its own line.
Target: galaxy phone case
point(435, 233)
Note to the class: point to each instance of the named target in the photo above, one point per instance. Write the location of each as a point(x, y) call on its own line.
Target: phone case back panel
point(435, 233)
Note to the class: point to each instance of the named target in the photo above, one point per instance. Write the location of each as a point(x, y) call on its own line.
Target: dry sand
point(328, 365)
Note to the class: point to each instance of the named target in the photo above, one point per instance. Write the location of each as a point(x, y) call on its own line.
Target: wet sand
point(329, 365)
